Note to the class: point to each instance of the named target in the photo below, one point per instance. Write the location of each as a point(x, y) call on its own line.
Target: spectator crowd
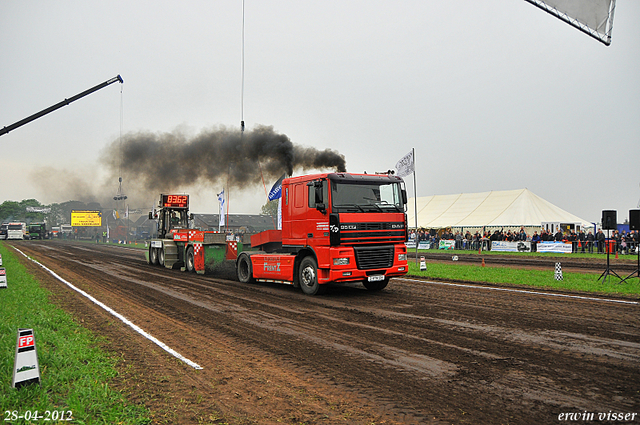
point(621, 242)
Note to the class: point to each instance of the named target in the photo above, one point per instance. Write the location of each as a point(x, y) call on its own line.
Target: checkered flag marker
point(559, 271)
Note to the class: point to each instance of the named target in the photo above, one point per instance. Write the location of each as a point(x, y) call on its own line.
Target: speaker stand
point(608, 271)
point(637, 269)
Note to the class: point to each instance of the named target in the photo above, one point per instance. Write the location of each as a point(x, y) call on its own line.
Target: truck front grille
point(374, 257)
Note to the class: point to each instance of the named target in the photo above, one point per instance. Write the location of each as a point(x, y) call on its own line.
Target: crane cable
point(242, 118)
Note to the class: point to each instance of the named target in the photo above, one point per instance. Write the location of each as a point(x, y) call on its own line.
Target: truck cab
point(336, 227)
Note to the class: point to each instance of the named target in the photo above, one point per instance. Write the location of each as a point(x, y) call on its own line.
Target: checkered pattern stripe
point(558, 275)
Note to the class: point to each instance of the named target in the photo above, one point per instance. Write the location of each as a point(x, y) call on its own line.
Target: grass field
point(541, 279)
point(76, 375)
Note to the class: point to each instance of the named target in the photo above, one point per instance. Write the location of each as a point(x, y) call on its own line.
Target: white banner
point(506, 246)
point(39, 210)
point(561, 247)
point(424, 245)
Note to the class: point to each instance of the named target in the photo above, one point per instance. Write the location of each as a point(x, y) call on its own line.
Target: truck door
point(308, 221)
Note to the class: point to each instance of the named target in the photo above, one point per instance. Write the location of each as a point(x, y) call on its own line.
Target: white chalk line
point(523, 291)
point(119, 316)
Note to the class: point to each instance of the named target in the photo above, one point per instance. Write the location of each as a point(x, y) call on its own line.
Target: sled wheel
point(153, 256)
point(190, 260)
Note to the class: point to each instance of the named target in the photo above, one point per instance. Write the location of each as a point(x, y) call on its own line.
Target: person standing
point(582, 239)
point(600, 239)
point(590, 238)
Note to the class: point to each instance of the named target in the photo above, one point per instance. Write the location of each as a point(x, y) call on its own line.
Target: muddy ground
point(417, 352)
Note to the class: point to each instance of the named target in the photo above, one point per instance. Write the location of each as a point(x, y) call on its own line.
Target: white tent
point(508, 209)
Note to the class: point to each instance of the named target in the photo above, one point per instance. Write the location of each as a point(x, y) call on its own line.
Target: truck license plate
point(375, 278)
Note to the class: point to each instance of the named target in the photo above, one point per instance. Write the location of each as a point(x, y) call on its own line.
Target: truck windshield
point(366, 197)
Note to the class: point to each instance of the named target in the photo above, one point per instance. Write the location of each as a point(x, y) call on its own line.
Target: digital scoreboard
point(175, 201)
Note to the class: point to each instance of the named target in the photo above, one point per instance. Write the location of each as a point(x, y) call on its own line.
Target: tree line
point(58, 213)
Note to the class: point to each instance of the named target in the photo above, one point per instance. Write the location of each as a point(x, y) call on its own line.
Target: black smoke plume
point(172, 161)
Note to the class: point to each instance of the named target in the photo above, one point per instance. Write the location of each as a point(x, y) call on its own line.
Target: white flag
point(405, 166)
point(221, 200)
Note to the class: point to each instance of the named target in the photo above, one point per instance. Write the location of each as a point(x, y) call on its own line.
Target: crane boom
point(59, 105)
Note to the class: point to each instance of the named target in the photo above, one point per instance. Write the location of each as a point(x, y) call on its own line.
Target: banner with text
point(506, 246)
point(561, 247)
point(86, 218)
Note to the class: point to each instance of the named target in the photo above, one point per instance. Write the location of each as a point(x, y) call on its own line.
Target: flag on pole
point(406, 165)
point(221, 200)
point(116, 215)
point(276, 189)
point(126, 212)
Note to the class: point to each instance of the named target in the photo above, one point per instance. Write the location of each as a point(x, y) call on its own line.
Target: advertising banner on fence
point(86, 218)
point(447, 244)
point(563, 248)
point(519, 246)
point(424, 245)
point(411, 244)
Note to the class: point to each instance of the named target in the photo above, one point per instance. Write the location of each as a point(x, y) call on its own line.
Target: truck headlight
point(402, 257)
point(341, 261)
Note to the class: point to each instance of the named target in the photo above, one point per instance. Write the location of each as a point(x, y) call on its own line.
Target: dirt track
point(417, 352)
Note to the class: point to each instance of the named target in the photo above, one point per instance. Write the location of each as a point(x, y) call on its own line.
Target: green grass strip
point(75, 374)
point(540, 279)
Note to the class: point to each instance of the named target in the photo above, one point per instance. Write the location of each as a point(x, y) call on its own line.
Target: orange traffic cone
point(616, 254)
point(483, 262)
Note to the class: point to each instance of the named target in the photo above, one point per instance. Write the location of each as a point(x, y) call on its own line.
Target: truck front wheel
point(244, 269)
point(308, 277)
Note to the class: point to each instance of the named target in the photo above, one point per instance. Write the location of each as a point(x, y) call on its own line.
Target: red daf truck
point(336, 227)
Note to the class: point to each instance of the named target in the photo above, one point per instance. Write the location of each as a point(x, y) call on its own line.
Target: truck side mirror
point(150, 215)
point(404, 196)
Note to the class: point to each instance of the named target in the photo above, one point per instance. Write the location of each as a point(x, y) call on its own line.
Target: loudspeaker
point(634, 219)
point(609, 220)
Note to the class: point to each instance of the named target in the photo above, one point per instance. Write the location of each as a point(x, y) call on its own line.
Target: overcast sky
point(493, 95)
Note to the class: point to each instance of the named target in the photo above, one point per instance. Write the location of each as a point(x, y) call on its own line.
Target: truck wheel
point(308, 277)
point(376, 286)
point(190, 260)
point(244, 269)
point(153, 256)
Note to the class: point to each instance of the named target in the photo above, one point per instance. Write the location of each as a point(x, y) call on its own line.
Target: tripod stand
point(638, 268)
point(608, 271)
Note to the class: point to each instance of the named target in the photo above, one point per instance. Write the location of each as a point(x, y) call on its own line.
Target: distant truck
point(3, 231)
point(336, 227)
point(38, 231)
point(17, 230)
point(65, 231)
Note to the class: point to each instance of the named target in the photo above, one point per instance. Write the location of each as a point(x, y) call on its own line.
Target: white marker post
point(0, 259)
point(26, 369)
point(423, 264)
point(3, 278)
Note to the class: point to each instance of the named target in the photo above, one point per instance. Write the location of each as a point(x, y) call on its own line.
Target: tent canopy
point(507, 208)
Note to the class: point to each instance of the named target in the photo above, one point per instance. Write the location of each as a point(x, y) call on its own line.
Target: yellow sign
point(86, 218)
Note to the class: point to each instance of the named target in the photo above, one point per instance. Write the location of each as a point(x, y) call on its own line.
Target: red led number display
point(175, 201)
